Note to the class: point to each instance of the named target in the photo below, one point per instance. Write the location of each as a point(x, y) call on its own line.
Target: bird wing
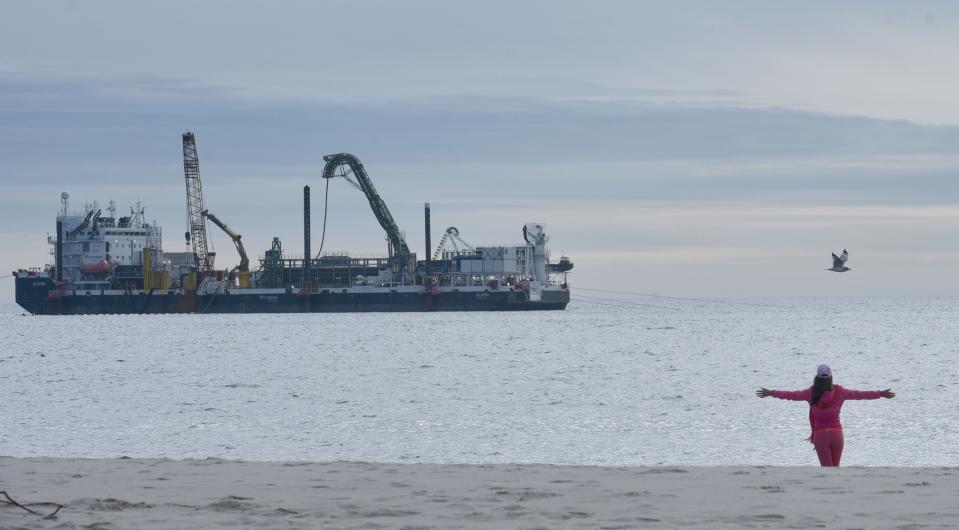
point(845, 256)
point(836, 262)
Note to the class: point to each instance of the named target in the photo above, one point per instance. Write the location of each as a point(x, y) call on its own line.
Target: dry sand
point(154, 494)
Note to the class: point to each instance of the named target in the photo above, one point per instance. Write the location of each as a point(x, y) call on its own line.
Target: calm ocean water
point(668, 382)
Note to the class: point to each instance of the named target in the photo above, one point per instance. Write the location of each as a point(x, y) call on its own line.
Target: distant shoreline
point(155, 494)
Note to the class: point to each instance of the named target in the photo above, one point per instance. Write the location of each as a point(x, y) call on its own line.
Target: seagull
point(839, 262)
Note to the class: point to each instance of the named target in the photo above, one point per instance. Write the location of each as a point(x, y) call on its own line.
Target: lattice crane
point(196, 222)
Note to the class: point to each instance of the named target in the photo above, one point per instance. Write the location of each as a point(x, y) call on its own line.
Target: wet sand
point(162, 494)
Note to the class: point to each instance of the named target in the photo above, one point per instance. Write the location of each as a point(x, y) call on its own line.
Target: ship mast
point(196, 235)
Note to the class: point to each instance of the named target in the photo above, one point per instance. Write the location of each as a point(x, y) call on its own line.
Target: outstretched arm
point(868, 394)
point(795, 395)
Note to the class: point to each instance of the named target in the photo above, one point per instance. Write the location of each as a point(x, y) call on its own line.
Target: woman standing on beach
point(825, 400)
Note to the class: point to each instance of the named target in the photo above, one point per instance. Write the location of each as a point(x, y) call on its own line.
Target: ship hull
point(359, 302)
point(39, 297)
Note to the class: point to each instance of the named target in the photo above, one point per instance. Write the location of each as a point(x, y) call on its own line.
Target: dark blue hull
point(338, 302)
point(38, 296)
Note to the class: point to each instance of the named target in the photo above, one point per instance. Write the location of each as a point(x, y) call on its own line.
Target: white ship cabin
point(526, 261)
point(96, 241)
point(497, 266)
point(495, 261)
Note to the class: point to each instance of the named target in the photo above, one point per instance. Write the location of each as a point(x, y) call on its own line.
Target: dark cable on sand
point(688, 299)
point(23, 506)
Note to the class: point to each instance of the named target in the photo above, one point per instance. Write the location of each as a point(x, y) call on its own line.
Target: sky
point(690, 148)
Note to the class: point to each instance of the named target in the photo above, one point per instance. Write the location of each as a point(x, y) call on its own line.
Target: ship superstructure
point(92, 250)
point(105, 263)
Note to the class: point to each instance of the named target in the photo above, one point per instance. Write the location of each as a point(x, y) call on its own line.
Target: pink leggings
point(829, 447)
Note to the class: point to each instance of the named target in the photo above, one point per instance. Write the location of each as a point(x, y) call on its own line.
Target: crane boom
point(202, 256)
point(346, 161)
point(244, 266)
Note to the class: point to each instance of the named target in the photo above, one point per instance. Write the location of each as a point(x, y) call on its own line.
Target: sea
point(613, 380)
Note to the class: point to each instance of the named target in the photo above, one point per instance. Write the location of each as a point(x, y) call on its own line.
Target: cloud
point(668, 192)
point(126, 119)
point(881, 59)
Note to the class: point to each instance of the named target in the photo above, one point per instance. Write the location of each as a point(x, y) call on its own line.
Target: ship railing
point(328, 254)
point(472, 279)
point(32, 272)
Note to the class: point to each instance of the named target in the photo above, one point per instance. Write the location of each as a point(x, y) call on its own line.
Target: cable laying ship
point(104, 264)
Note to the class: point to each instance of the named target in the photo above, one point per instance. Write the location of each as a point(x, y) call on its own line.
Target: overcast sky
point(685, 148)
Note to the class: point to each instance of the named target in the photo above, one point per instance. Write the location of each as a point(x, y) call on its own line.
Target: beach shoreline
point(160, 494)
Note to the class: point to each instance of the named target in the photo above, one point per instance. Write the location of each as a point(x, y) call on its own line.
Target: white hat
point(823, 371)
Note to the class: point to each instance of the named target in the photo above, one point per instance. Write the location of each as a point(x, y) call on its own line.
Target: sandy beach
point(160, 494)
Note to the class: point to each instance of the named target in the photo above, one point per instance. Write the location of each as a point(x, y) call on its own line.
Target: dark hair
point(820, 385)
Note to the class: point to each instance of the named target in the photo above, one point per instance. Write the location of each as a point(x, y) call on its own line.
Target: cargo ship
point(106, 263)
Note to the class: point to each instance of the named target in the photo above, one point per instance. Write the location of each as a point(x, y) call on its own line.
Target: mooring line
point(687, 299)
point(619, 303)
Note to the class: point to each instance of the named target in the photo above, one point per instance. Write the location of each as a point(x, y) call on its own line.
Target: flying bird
point(839, 262)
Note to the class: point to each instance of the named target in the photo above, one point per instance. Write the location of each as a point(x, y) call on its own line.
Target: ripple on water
point(591, 385)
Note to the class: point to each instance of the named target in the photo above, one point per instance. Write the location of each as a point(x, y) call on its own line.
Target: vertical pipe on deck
point(429, 258)
point(307, 257)
point(59, 251)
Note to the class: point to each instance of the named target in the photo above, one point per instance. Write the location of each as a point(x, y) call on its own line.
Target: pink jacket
point(825, 413)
